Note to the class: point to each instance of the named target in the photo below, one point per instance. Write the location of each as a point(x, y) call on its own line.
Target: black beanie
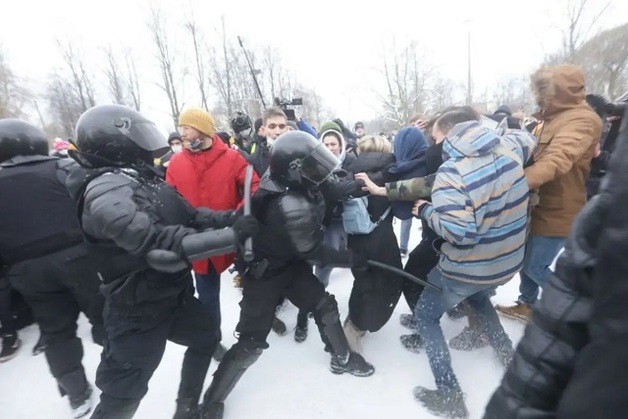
point(257, 124)
point(174, 136)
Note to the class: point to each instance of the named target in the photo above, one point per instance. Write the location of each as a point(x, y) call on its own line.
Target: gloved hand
point(244, 227)
point(359, 262)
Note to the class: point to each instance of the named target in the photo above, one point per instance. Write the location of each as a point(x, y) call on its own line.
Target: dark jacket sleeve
point(110, 212)
point(205, 218)
point(305, 233)
point(547, 353)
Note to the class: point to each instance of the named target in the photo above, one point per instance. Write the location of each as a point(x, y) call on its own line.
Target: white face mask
point(270, 141)
point(176, 148)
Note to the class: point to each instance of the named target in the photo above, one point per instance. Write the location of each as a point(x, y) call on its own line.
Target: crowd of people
point(135, 232)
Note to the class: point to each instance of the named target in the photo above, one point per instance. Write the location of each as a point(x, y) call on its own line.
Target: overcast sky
point(332, 46)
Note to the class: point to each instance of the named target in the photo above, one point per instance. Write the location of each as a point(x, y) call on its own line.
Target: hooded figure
point(410, 148)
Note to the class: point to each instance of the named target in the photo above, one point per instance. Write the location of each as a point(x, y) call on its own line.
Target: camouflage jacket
point(411, 189)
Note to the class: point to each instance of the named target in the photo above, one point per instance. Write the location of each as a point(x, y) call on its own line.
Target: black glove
point(359, 262)
point(245, 227)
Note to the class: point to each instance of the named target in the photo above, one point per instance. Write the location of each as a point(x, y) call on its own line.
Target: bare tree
point(199, 47)
point(65, 105)
point(604, 59)
point(14, 97)
point(580, 18)
point(441, 94)
point(132, 82)
point(406, 77)
point(116, 82)
point(79, 80)
point(167, 63)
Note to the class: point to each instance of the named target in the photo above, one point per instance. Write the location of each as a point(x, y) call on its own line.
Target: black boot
point(40, 346)
point(234, 364)
point(413, 343)
point(342, 359)
point(10, 345)
point(279, 327)
point(445, 403)
point(356, 366)
point(300, 333)
point(187, 409)
point(74, 384)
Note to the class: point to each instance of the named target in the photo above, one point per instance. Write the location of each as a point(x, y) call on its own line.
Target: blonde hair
point(374, 143)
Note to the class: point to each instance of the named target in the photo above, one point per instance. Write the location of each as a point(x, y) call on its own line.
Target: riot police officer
point(42, 245)
point(127, 211)
point(289, 208)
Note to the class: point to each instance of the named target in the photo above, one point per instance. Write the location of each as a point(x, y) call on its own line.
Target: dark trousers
point(6, 314)
point(208, 288)
point(136, 340)
point(260, 297)
point(420, 262)
point(58, 287)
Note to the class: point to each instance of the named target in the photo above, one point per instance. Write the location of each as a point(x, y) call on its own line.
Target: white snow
point(290, 380)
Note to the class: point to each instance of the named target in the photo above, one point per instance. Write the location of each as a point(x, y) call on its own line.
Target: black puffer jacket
point(571, 362)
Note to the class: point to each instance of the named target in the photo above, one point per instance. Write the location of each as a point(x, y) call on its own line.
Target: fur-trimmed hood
point(558, 88)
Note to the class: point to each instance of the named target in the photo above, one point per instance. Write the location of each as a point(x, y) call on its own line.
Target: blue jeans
point(404, 236)
point(540, 254)
point(336, 238)
point(208, 288)
point(431, 307)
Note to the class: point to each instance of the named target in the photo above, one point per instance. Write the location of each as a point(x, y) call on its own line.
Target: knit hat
point(258, 124)
point(199, 119)
point(174, 136)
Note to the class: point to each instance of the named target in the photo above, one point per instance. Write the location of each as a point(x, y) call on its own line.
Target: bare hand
point(369, 185)
point(598, 150)
point(417, 205)
point(420, 124)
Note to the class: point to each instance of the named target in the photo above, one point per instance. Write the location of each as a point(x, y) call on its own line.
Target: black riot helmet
point(116, 135)
point(240, 122)
point(297, 158)
point(19, 138)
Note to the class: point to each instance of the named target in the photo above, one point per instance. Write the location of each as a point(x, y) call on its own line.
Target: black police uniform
point(126, 212)
point(289, 242)
point(42, 244)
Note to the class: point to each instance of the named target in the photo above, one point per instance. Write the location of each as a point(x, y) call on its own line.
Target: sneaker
point(413, 342)
point(356, 365)
point(279, 327)
point(187, 409)
point(408, 320)
point(469, 340)
point(300, 332)
point(10, 345)
point(40, 346)
point(520, 311)
point(219, 352)
point(444, 403)
point(82, 405)
point(212, 411)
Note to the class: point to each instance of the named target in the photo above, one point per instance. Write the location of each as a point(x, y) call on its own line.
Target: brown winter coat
point(566, 143)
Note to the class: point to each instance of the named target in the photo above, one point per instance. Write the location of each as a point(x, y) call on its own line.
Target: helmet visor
point(319, 164)
point(147, 137)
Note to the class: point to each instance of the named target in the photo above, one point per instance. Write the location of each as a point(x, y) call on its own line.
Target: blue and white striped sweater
point(479, 203)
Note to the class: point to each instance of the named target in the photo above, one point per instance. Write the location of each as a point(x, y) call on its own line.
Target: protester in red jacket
point(208, 174)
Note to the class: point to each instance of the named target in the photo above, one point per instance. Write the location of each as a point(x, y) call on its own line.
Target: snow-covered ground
point(290, 380)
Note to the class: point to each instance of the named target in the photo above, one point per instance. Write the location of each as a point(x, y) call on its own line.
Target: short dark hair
point(271, 113)
point(454, 116)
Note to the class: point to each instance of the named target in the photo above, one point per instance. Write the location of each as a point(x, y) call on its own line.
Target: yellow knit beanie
point(199, 119)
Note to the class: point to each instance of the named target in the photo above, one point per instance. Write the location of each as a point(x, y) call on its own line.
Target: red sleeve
point(241, 165)
point(170, 178)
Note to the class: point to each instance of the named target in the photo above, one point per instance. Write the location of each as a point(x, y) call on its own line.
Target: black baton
point(248, 243)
